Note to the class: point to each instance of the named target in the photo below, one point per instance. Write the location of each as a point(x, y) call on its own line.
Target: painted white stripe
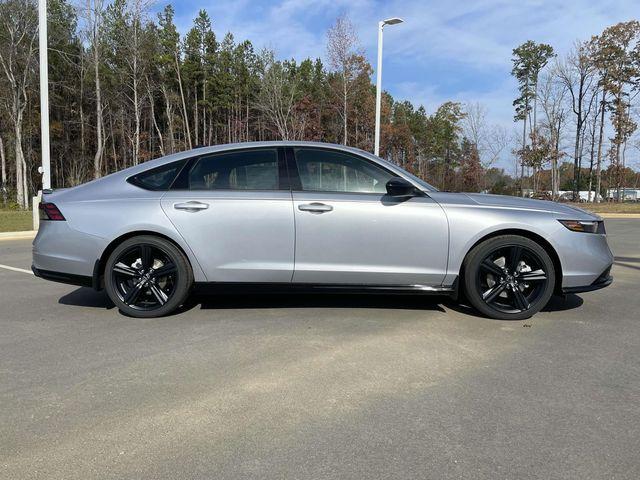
point(18, 235)
point(14, 269)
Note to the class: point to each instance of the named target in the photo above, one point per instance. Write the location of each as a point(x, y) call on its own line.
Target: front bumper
point(584, 258)
point(604, 280)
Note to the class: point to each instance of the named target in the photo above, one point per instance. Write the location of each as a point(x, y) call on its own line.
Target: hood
point(508, 202)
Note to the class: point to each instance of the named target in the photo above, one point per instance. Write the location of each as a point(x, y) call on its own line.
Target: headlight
point(584, 226)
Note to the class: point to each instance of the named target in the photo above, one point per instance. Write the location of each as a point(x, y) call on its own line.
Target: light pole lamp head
point(392, 21)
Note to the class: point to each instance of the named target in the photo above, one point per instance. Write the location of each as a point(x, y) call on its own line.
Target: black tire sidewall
point(480, 252)
point(184, 281)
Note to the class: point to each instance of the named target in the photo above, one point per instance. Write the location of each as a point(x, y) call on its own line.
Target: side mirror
point(399, 187)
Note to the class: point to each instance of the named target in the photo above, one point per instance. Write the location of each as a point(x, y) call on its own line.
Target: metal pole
point(376, 150)
point(44, 94)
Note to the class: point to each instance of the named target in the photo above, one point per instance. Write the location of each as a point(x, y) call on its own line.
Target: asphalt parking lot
point(319, 387)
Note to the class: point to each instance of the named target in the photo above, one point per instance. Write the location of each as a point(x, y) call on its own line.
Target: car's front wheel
point(147, 276)
point(509, 277)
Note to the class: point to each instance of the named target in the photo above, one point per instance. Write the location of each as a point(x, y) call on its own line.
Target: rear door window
point(241, 170)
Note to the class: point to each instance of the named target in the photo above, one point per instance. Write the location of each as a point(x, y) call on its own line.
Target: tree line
point(588, 98)
point(126, 86)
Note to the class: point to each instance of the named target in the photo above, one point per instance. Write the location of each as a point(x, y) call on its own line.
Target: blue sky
point(445, 50)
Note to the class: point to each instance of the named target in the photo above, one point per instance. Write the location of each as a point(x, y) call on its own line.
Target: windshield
point(417, 180)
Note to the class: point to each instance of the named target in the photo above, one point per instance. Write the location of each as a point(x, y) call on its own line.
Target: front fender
point(468, 225)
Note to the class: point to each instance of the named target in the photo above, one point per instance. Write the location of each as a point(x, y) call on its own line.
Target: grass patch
point(605, 207)
point(15, 220)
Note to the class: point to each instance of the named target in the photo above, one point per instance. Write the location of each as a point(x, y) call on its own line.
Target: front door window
point(334, 171)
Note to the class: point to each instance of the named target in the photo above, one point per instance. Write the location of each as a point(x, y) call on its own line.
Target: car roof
point(248, 145)
point(273, 143)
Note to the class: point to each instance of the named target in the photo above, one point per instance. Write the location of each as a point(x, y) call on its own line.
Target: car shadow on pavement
point(560, 303)
point(318, 300)
point(556, 304)
point(87, 297)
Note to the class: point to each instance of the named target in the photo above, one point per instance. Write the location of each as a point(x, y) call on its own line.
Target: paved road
point(319, 387)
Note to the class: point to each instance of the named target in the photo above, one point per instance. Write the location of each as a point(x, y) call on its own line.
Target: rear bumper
point(60, 277)
point(63, 253)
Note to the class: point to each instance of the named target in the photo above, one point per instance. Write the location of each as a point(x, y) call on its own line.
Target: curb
point(619, 215)
point(26, 235)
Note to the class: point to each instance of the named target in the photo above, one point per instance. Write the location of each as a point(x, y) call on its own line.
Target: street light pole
point(45, 169)
point(376, 150)
point(381, 24)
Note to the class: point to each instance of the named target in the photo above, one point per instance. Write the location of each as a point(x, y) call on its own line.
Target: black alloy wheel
point(147, 277)
point(509, 277)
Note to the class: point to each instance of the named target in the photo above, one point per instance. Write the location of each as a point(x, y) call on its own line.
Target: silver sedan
point(302, 216)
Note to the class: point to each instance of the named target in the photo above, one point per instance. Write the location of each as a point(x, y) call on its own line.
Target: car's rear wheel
point(509, 277)
point(147, 276)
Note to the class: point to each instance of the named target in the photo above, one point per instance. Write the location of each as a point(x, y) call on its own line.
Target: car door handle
point(315, 207)
point(191, 206)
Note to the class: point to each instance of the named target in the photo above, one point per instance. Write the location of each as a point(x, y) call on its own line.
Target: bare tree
point(592, 134)
point(185, 117)
point(168, 109)
point(498, 141)
point(18, 32)
point(577, 72)
point(94, 16)
point(515, 142)
point(489, 140)
point(344, 58)
point(136, 68)
point(152, 114)
point(553, 93)
point(474, 124)
point(277, 97)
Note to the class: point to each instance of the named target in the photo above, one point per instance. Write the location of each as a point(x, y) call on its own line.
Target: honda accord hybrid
point(313, 217)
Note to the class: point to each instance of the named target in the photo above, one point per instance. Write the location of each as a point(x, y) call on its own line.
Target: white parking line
point(15, 269)
point(28, 235)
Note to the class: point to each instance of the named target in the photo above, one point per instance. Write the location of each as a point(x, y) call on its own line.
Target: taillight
point(49, 211)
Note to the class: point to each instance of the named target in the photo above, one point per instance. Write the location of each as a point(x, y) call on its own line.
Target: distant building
point(584, 195)
point(567, 195)
point(627, 194)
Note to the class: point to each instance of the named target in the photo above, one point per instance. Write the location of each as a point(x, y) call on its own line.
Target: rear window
point(159, 178)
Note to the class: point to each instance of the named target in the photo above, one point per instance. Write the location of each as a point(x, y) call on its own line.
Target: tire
point(508, 277)
point(147, 277)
